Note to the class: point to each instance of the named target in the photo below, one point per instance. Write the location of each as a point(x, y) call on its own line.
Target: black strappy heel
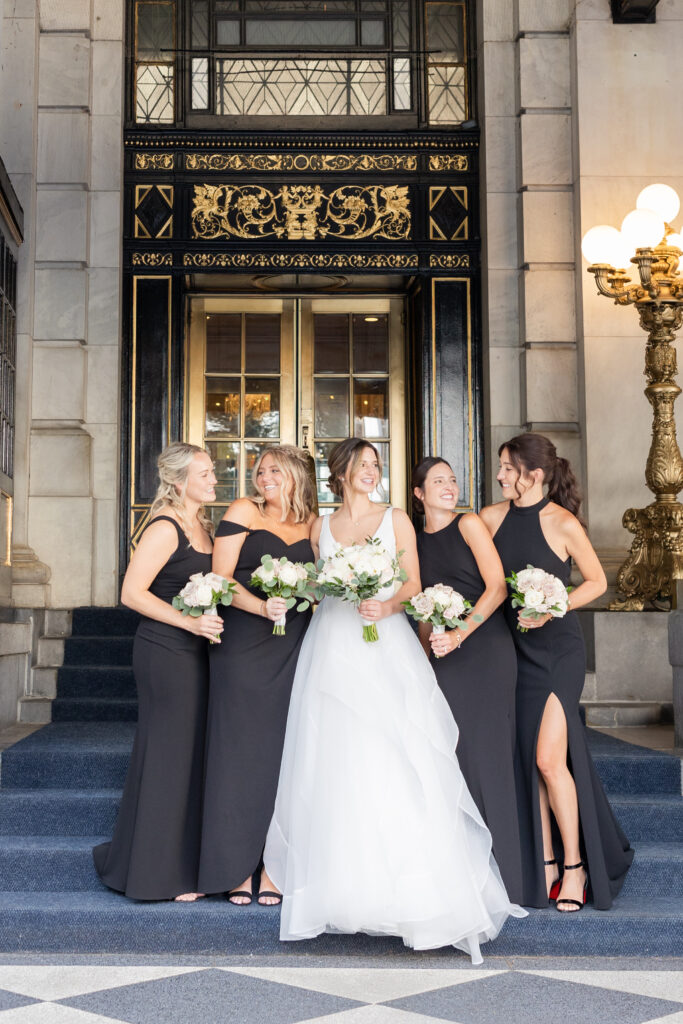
point(555, 887)
point(568, 899)
point(247, 894)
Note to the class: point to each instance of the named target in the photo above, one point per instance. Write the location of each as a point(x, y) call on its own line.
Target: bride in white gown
point(374, 829)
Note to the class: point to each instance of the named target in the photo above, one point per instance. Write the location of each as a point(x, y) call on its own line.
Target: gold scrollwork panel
point(152, 259)
point(449, 162)
point(154, 161)
point(302, 260)
point(449, 261)
point(296, 212)
point(301, 162)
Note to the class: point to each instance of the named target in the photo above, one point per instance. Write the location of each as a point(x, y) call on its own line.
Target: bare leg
point(189, 897)
point(241, 901)
point(551, 759)
point(266, 883)
point(552, 871)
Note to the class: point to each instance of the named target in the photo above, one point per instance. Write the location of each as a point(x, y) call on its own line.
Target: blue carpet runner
point(59, 790)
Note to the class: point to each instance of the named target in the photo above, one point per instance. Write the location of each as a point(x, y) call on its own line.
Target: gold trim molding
point(166, 193)
point(300, 162)
point(301, 260)
point(297, 212)
point(449, 261)
point(449, 162)
point(152, 259)
point(154, 161)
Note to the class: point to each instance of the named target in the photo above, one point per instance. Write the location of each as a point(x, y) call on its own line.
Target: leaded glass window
point(446, 50)
point(155, 61)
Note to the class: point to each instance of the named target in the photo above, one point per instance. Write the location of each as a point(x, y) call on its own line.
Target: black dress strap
point(226, 528)
point(169, 519)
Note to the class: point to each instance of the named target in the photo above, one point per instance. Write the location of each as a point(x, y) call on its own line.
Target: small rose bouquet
point(278, 577)
point(538, 593)
point(203, 592)
point(358, 573)
point(441, 606)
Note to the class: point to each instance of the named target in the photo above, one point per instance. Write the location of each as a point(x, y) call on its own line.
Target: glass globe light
point(642, 229)
point(600, 243)
point(661, 199)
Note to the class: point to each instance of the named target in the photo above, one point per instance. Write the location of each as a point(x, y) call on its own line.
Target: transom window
point(281, 58)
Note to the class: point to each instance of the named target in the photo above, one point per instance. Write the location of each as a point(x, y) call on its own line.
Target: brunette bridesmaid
point(154, 854)
point(476, 667)
point(252, 674)
point(564, 813)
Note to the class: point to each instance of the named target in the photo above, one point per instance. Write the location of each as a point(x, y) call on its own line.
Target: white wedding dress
point(374, 829)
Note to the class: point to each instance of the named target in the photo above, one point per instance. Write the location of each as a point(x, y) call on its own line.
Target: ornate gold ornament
point(301, 212)
point(154, 211)
point(655, 560)
point(154, 161)
point(449, 261)
point(300, 162)
point(152, 259)
point(302, 260)
point(449, 162)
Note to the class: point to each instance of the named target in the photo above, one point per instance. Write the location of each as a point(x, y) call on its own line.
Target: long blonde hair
point(173, 464)
point(295, 465)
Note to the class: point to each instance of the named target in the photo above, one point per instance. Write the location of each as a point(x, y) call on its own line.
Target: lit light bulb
point(661, 199)
point(599, 244)
point(642, 229)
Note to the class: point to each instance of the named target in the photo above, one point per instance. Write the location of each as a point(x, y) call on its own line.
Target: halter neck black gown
point(478, 681)
point(154, 853)
point(552, 659)
point(252, 672)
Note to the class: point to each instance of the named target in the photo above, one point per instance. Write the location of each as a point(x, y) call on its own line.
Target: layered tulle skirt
point(374, 829)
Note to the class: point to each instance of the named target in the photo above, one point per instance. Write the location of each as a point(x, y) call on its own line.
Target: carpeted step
point(105, 922)
point(85, 709)
point(58, 812)
point(104, 622)
point(98, 650)
point(632, 773)
point(48, 863)
point(109, 681)
point(79, 755)
point(650, 819)
point(657, 870)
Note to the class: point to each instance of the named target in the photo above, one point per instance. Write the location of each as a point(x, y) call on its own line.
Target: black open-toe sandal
point(245, 893)
point(555, 887)
point(567, 899)
point(273, 895)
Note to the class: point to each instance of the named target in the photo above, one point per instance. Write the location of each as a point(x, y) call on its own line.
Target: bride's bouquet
point(538, 593)
point(440, 605)
point(278, 577)
point(203, 592)
point(358, 573)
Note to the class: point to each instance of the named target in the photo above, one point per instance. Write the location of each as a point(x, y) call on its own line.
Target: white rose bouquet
point(440, 605)
point(358, 573)
point(203, 592)
point(538, 593)
point(278, 577)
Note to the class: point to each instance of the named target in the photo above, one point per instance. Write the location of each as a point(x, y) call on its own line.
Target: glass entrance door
point(306, 371)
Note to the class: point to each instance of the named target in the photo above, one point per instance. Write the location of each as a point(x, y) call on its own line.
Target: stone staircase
point(59, 790)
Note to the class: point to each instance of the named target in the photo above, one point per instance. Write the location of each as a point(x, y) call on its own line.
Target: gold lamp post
point(655, 560)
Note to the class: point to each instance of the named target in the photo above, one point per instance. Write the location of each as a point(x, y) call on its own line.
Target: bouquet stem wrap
point(279, 626)
point(369, 631)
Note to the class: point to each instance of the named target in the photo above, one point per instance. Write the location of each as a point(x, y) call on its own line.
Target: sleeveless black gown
point(154, 853)
point(478, 681)
point(552, 659)
point(252, 672)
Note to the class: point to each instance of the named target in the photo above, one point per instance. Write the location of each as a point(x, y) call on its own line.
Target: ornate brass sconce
point(655, 560)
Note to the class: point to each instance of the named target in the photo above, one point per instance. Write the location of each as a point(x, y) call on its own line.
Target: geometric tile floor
point(265, 990)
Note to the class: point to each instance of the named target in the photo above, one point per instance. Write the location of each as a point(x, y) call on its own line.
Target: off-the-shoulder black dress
point(552, 660)
point(252, 672)
point(478, 681)
point(154, 853)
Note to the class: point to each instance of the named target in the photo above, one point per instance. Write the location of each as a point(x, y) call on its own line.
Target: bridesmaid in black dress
point(154, 853)
point(476, 668)
point(554, 767)
point(252, 674)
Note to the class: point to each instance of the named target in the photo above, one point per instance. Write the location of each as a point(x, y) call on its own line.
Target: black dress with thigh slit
point(478, 681)
point(252, 672)
point(552, 660)
point(154, 853)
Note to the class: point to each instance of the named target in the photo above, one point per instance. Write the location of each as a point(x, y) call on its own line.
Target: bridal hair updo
point(173, 465)
point(345, 458)
point(295, 465)
point(534, 451)
point(420, 475)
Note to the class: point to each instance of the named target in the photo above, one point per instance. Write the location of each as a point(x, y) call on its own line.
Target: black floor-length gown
point(552, 660)
point(252, 672)
point(154, 853)
point(478, 681)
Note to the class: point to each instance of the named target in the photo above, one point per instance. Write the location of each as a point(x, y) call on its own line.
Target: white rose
point(455, 607)
point(288, 575)
point(214, 580)
point(204, 596)
point(266, 575)
point(301, 571)
point(423, 605)
point(533, 599)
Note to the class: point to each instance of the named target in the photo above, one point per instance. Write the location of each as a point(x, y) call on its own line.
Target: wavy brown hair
point(344, 459)
point(172, 465)
point(534, 451)
point(295, 464)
